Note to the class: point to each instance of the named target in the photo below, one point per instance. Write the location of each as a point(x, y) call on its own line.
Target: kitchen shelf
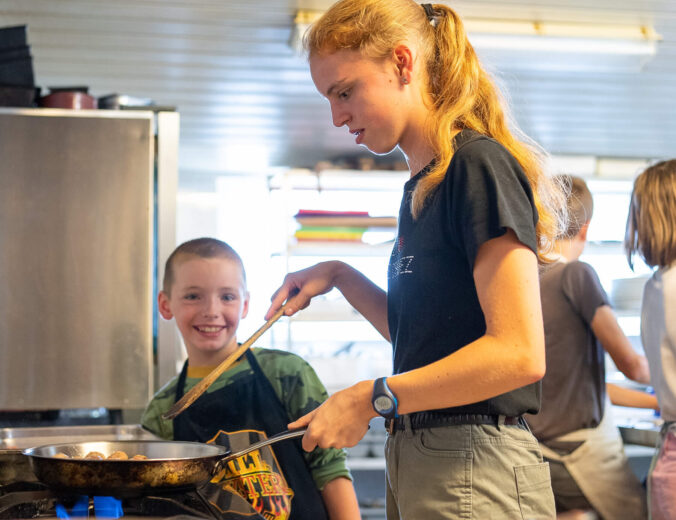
point(323, 309)
point(338, 249)
point(335, 199)
point(366, 463)
point(339, 180)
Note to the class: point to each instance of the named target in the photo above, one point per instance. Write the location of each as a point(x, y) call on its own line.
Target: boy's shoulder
point(279, 359)
point(293, 378)
point(168, 390)
point(579, 268)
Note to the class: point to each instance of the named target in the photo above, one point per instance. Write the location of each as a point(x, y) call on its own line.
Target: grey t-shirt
point(573, 389)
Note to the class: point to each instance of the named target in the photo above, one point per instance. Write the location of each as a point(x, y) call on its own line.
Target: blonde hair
point(462, 94)
point(651, 223)
point(205, 247)
point(579, 202)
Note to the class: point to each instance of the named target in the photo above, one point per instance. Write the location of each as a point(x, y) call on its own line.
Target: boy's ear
point(582, 234)
point(245, 307)
point(163, 305)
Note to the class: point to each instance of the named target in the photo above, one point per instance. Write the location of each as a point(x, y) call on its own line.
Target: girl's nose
point(339, 116)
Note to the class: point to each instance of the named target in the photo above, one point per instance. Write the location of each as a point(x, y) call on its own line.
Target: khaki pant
point(476, 472)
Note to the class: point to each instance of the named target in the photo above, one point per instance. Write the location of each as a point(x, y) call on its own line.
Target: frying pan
point(170, 466)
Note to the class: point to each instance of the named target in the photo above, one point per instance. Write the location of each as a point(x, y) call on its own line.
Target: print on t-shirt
point(401, 266)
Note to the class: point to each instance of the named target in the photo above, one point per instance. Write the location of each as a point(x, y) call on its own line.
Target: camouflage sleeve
point(301, 391)
point(160, 403)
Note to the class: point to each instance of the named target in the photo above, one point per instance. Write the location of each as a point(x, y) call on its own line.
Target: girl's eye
point(344, 94)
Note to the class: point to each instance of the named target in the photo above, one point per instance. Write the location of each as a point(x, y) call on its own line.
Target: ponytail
point(461, 93)
point(464, 96)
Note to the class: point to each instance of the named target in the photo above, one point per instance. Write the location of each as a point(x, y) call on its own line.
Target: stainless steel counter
point(22, 438)
point(643, 434)
point(637, 426)
point(14, 465)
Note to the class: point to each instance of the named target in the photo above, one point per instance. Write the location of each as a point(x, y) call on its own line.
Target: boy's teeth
point(209, 329)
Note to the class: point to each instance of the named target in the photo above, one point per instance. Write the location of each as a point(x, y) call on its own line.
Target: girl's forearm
point(483, 369)
point(364, 295)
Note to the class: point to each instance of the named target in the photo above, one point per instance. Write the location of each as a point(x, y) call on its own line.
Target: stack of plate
point(627, 293)
point(17, 84)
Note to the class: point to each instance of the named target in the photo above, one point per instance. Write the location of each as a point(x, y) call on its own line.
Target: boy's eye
point(228, 297)
point(190, 296)
point(344, 94)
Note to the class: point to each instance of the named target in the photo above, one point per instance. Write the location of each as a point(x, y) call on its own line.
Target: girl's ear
point(403, 59)
point(163, 306)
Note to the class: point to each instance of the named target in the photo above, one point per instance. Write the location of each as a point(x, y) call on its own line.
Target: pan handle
point(287, 434)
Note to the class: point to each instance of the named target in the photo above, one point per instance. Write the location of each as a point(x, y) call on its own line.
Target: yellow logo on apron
point(255, 476)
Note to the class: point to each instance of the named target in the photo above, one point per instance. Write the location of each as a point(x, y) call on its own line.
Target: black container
point(15, 53)
point(12, 36)
point(16, 62)
point(17, 73)
point(18, 96)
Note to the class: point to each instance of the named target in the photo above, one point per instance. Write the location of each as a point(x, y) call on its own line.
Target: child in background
point(577, 436)
point(204, 290)
point(651, 232)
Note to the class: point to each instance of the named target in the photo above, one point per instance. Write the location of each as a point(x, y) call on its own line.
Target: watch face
point(383, 404)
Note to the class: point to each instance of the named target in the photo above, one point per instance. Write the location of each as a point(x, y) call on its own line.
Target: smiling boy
point(205, 292)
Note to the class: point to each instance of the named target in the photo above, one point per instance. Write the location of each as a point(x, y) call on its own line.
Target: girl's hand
point(300, 287)
point(341, 421)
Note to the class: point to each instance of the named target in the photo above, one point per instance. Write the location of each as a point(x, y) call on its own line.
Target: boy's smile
point(208, 298)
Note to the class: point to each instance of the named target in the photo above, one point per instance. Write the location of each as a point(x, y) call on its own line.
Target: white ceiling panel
point(227, 67)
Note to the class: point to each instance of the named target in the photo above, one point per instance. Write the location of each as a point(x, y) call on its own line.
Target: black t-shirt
point(433, 307)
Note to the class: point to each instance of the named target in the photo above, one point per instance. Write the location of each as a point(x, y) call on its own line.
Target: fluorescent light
point(560, 46)
point(530, 45)
point(301, 22)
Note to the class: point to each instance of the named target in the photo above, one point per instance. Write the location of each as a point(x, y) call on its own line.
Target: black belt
point(421, 420)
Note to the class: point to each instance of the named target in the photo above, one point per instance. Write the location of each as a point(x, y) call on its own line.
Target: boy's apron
point(243, 412)
point(601, 470)
point(662, 476)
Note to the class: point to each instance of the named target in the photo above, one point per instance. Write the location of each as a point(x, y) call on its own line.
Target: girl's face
point(365, 95)
point(208, 298)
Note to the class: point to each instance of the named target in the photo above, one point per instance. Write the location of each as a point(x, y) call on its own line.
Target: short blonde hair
point(579, 202)
point(651, 223)
point(205, 247)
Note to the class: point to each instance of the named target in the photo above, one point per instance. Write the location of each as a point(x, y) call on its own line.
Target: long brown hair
point(461, 93)
point(651, 223)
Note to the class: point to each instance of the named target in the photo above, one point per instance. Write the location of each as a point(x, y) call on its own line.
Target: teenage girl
point(651, 232)
point(462, 310)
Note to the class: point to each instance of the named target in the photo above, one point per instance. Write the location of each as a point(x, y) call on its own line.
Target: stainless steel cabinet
point(77, 242)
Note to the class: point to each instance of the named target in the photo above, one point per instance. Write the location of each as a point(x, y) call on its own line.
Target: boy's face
point(207, 299)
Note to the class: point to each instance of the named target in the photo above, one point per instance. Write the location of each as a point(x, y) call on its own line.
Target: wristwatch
point(383, 400)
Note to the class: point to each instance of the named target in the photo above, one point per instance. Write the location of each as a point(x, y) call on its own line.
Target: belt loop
point(501, 421)
point(408, 427)
point(523, 422)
